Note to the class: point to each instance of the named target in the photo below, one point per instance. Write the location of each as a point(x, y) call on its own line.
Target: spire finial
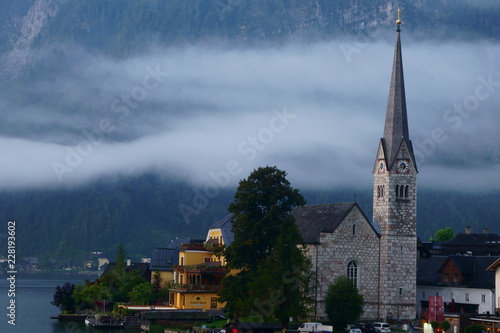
point(398, 21)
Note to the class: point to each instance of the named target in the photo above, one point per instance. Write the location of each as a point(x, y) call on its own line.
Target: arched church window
point(397, 191)
point(406, 190)
point(354, 229)
point(401, 191)
point(352, 272)
point(378, 191)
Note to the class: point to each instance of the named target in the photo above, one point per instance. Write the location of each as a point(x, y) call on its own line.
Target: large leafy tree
point(63, 298)
point(343, 303)
point(273, 281)
point(443, 235)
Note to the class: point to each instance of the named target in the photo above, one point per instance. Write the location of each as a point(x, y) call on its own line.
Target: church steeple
point(395, 202)
point(396, 119)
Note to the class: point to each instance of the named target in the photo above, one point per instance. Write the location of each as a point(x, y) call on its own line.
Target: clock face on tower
point(403, 166)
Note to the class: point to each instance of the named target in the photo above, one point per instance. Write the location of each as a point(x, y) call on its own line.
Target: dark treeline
point(144, 212)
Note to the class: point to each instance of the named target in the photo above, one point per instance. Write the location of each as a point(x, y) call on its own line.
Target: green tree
point(63, 298)
point(443, 235)
point(265, 249)
point(343, 303)
point(475, 329)
point(120, 259)
point(142, 294)
point(434, 325)
point(445, 325)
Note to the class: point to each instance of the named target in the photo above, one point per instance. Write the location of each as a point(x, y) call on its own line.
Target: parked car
point(315, 327)
point(367, 328)
point(353, 329)
point(382, 327)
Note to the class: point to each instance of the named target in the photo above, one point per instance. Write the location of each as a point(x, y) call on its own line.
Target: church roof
point(315, 219)
point(396, 120)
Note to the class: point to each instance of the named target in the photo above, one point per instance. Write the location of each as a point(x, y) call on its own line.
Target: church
point(378, 255)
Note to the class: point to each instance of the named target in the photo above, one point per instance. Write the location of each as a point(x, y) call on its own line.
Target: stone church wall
point(353, 240)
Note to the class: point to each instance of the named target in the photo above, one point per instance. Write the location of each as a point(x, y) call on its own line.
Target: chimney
point(486, 231)
point(468, 230)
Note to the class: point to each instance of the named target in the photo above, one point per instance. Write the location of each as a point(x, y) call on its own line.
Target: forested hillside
point(50, 47)
point(144, 213)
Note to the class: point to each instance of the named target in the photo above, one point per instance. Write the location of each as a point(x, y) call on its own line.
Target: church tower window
point(352, 272)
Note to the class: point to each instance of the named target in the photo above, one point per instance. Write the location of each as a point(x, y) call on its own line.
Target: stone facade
point(394, 210)
point(354, 240)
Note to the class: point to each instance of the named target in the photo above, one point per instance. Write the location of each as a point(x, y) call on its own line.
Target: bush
point(156, 329)
point(474, 329)
point(445, 325)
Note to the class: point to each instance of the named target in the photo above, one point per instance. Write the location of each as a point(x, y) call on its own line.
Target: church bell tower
point(395, 203)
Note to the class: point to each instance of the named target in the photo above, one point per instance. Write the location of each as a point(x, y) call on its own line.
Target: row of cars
point(376, 327)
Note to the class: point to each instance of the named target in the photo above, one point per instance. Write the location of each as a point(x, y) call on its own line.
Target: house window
point(213, 303)
point(206, 259)
point(467, 297)
point(455, 277)
point(445, 277)
point(452, 295)
point(400, 291)
point(437, 293)
point(483, 298)
point(423, 294)
point(352, 272)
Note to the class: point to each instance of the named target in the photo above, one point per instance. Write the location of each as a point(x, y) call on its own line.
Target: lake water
point(34, 292)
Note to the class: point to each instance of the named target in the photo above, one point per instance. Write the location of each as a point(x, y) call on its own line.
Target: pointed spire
point(396, 121)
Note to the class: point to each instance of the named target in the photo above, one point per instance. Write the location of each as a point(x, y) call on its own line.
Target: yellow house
point(198, 276)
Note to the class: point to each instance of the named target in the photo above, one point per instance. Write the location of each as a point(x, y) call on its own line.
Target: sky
point(212, 115)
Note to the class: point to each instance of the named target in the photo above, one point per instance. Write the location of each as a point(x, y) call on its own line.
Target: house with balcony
point(198, 276)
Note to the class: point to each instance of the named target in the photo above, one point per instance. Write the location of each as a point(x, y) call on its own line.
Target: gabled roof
point(474, 268)
point(465, 264)
point(464, 239)
point(428, 270)
point(226, 227)
point(142, 269)
point(314, 219)
point(493, 267)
